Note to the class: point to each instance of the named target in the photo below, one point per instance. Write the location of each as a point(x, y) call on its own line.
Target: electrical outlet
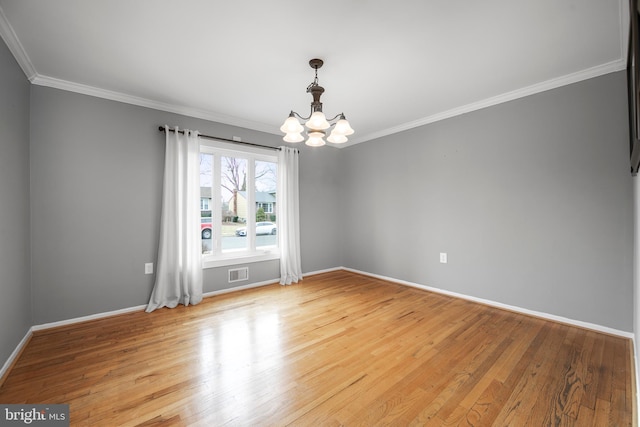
point(443, 257)
point(148, 268)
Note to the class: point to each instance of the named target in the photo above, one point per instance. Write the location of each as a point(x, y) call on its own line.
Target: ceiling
point(389, 66)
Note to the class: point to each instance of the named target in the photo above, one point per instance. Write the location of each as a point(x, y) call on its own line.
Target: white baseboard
point(547, 316)
point(9, 362)
point(87, 318)
point(326, 270)
point(240, 288)
point(14, 355)
point(266, 282)
point(140, 307)
point(516, 309)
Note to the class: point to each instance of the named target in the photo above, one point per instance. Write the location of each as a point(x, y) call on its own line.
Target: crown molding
point(599, 70)
point(592, 72)
point(15, 47)
point(11, 39)
point(13, 43)
point(156, 105)
point(589, 73)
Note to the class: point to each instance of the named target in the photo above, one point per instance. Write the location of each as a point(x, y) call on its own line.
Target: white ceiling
point(389, 66)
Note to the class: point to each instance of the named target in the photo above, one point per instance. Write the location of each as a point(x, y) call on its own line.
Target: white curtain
point(288, 216)
point(179, 267)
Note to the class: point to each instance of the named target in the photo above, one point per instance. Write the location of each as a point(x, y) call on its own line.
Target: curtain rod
point(217, 138)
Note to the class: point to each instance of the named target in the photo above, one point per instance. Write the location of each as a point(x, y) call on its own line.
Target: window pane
point(237, 203)
point(265, 201)
point(233, 194)
point(206, 175)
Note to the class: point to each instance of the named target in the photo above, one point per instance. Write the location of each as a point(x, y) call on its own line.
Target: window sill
point(210, 261)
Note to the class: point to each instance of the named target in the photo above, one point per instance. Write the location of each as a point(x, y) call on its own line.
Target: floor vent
point(238, 274)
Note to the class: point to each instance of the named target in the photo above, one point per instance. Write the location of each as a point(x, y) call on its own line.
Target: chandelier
point(316, 123)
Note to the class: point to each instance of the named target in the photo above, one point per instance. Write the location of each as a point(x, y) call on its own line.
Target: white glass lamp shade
point(343, 128)
point(315, 139)
point(293, 137)
point(291, 125)
point(318, 121)
point(337, 138)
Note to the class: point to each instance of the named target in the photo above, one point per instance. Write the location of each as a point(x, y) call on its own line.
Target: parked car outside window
point(263, 227)
point(205, 228)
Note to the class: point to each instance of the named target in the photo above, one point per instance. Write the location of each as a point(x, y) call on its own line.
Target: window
point(240, 188)
point(266, 207)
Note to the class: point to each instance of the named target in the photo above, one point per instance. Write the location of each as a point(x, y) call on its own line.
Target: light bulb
point(291, 125)
point(293, 137)
point(337, 138)
point(315, 139)
point(343, 127)
point(318, 121)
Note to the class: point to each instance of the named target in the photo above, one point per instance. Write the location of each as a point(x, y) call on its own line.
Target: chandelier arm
point(300, 117)
point(309, 116)
point(335, 117)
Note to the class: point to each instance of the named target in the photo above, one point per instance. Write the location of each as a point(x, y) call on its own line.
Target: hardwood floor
point(337, 349)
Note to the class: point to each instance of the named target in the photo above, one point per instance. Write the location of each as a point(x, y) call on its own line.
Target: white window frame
point(218, 258)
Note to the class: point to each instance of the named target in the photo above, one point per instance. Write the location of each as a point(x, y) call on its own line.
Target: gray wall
point(96, 191)
point(531, 199)
point(15, 281)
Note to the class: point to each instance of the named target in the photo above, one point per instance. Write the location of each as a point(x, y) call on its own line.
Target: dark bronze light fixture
point(317, 124)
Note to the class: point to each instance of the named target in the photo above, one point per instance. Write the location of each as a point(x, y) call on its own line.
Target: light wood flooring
point(337, 349)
